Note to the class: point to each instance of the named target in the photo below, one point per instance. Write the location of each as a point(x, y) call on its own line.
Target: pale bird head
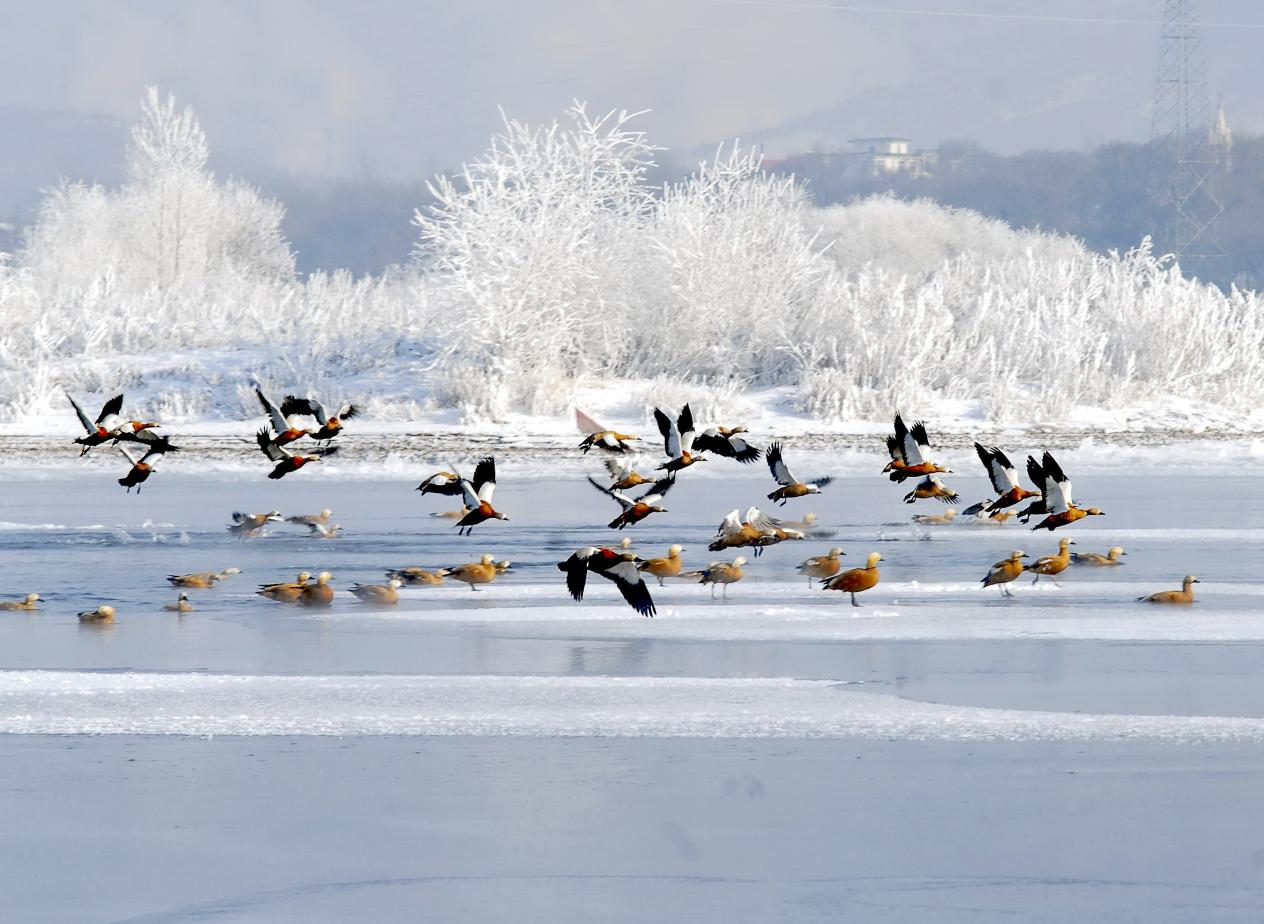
point(874, 558)
point(394, 584)
point(1115, 551)
point(304, 577)
point(231, 571)
point(1094, 512)
point(324, 578)
point(486, 560)
point(835, 551)
point(1017, 554)
point(809, 518)
point(739, 561)
point(105, 609)
point(326, 513)
point(675, 550)
point(1190, 579)
point(272, 515)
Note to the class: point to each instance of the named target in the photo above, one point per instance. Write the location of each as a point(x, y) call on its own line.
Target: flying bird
point(636, 510)
point(790, 485)
point(141, 468)
point(478, 497)
point(445, 483)
point(287, 461)
point(619, 567)
point(677, 439)
point(910, 452)
point(931, 487)
point(284, 429)
point(1004, 478)
point(1059, 504)
point(330, 424)
point(726, 442)
point(608, 440)
point(625, 475)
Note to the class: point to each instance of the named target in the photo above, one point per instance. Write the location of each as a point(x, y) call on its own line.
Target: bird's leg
point(1037, 579)
point(712, 591)
point(724, 595)
point(853, 600)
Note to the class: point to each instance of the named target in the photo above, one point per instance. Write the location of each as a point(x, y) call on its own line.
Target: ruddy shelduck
point(931, 487)
point(677, 440)
point(819, 567)
point(790, 486)
point(608, 440)
point(248, 525)
point(182, 605)
point(330, 425)
point(1005, 571)
point(857, 580)
point(909, 449)
point(1051, 566)
point(1111, 557)
point(142, 467)
point(726, 442)
point(1183, 596)
point(378, 594)
point(936, 519)
point(201, 580)
point(1056, 491)
point(287, 592)
point(418, 576)
point(102, 614)
point(478, 497)
point(1004, 478)
point(625, 475)
point(636, 509)
point(318, 594)
point(483, 571)
point(286, 460)
point(618, 567)
point(284, 429)
point(722, 573)
point(665, 567)
point(311, 519)
point(29, 602)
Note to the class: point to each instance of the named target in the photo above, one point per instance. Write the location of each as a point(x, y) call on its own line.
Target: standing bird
point(790, 486)
point(668, 566)
point(723, 573)
point(483, 571)
point(141, 468)
point(931, 487)
point(248, 525)
point(1004, 478)
point(636, 510)
point(677, 439)
point(822, 566)
point(1183, 596)
point(1057, 494)
point(857, 580)
point(101, 430)
point(284, 429)
point(910, 452)
point(287, 461)
point(726, 442)
point(29, 602)
point(378, 594)
point(330, 424)
point(478, 497)
point(318, 594)
point(1003, 572)
point(625, 475)
point(182, 605)
point(1093, 558)
point(1051, 566)
point(608, 440)
point(619, 567)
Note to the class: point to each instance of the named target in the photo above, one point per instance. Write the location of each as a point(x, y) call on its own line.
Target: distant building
point(1221, 138)
point(886, 156)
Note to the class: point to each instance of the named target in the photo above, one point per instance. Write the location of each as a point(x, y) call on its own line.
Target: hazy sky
point(405, 87)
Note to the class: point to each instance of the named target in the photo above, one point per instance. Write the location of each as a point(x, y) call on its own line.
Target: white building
point(885, 156)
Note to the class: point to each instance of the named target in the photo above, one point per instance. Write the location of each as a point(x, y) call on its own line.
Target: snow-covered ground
point(780, 756)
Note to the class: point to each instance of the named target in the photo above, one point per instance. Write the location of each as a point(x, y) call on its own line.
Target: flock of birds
point(681, 448)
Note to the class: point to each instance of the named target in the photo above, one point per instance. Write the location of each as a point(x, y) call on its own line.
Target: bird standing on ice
point(820, 567)
point(722, 573)
point(667, 566)
point(857, 580)
point(1005, 571)
point(1052, 565)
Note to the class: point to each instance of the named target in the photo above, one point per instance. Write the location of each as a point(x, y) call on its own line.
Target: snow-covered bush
point(550, 264)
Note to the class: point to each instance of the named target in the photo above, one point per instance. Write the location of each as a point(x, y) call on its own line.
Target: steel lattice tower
point(1185, 162)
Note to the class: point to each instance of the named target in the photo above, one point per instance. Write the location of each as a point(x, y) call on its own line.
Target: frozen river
point(940, 754)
